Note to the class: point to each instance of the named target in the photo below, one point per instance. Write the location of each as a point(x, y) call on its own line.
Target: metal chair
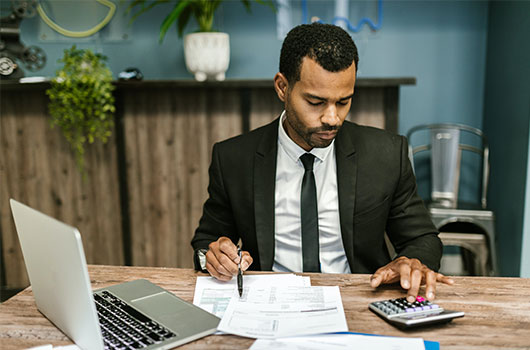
point(468, 225)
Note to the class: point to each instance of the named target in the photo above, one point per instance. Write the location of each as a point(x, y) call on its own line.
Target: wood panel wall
point(143, 196)
point(168, 139)
point(38, 169)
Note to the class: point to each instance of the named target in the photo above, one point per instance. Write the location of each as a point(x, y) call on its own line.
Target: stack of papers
point(283, 311)
point(214, 296)
point(275, 312)
point(272, 306)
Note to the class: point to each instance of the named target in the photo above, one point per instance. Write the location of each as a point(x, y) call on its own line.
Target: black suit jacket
point(377, 193)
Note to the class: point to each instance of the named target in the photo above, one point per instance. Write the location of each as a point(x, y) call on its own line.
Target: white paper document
point(51, 347)
point(275, 312)
point(213, 295)
point(339, 342)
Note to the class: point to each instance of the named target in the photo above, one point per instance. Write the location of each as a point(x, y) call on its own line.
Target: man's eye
point(343, 103)
point(314, 103)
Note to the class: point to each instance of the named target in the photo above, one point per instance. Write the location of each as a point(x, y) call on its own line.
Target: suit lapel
point(264, 187)
point(346, 182)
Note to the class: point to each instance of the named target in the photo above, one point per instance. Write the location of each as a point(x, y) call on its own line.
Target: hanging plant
point(81, 100)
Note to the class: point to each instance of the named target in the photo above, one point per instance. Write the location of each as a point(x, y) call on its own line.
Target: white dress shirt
point(288, 239)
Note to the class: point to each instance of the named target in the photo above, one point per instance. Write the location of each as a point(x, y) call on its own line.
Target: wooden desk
point(497, 310)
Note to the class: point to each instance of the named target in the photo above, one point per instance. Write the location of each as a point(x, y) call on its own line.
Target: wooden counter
point(145, 188)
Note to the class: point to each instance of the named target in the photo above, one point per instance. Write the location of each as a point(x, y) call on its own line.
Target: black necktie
point(309, 216)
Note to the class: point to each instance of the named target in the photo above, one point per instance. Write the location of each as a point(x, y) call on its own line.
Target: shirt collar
point(294, 151)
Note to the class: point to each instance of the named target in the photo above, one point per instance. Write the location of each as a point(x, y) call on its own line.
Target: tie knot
point(308, 160)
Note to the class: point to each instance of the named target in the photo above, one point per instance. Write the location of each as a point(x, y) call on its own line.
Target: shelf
point(8, 85)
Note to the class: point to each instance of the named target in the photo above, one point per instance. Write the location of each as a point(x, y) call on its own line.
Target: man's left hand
point(412, 274)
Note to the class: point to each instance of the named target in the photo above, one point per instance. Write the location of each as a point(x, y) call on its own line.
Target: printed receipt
point(214, 296)
point(274, 312)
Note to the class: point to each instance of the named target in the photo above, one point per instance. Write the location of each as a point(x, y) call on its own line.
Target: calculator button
point(420, 299)
point(434, 306)
point(409, 309)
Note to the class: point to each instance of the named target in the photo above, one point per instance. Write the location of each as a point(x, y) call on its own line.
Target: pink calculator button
point(420, 299)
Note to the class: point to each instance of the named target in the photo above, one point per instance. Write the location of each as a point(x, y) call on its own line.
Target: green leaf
point(183, 20)
point(247, 4)
point(134, 4)
point(173, 15)
point(144, 9)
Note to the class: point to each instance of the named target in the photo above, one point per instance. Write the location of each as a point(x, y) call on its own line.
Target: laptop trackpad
point(163, 307)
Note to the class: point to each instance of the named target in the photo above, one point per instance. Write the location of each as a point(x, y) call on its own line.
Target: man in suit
point(312, 192)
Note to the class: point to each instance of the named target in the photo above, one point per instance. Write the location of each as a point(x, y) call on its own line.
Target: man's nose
point(331, 115)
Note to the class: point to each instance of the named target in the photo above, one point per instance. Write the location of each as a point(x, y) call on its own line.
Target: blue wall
point(441, 43)
point(507, 121)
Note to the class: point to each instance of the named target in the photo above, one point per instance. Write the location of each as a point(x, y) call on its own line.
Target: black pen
point(239, 274)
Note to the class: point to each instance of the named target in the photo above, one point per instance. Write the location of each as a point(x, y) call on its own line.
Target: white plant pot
point(207, 55)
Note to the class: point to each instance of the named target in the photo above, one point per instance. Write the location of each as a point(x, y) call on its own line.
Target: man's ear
point(281, 85)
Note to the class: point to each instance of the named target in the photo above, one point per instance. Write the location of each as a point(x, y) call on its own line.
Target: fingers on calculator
point(403, 313)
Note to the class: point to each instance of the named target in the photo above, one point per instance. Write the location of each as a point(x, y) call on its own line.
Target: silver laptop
point(132, 315)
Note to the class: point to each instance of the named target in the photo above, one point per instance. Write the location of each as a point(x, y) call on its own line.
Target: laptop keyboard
point(123, 327)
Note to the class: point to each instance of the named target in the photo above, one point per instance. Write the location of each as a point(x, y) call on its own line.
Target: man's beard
point(307, 133)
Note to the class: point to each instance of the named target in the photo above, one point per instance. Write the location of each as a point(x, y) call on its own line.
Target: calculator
point(404, 314)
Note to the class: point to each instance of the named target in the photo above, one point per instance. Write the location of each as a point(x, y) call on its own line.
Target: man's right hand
point(222, 259)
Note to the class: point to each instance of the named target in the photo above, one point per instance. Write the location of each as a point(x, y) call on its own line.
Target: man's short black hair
point(330, 46)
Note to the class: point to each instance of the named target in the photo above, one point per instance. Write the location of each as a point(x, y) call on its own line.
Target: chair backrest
point(446, 146)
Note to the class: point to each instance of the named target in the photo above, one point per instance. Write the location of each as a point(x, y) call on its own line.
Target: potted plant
point(207, 53)
point(81, 100)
